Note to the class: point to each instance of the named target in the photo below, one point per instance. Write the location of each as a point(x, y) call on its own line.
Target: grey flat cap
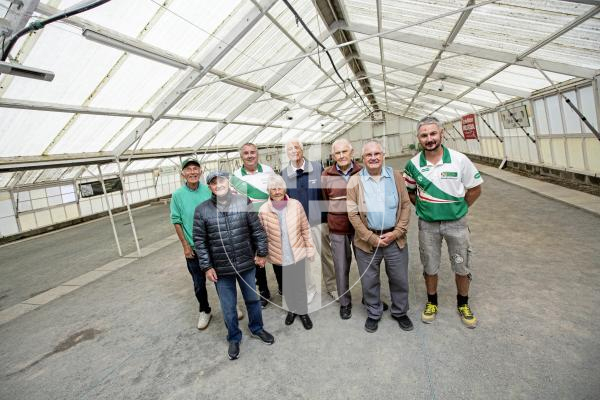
point(214, 174)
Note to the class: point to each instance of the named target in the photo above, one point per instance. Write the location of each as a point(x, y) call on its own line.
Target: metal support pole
point(457, 131)
point(110, 214)
point(449, 134)
point(126, 200)
point(490, 128)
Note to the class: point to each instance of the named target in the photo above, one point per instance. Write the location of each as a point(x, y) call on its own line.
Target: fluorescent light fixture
point(26, 72)
point(148, 52)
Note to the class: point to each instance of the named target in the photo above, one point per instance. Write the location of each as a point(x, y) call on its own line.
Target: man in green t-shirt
point(183, 204)
point(442, 184)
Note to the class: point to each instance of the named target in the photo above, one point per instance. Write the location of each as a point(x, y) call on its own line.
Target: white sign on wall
point(514, 118)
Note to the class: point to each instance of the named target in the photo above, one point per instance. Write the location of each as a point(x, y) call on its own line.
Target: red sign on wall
point(468, 126)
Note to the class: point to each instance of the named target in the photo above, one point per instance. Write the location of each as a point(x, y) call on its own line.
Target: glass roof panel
point(173, 132)
point(199, 132)
point(127, 89)
point(262, 110)
point(190, 20)
point(5, 177)
point(88, 133)
point(27, 132)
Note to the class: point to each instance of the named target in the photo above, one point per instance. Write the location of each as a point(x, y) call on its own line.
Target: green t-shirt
point(183, 204)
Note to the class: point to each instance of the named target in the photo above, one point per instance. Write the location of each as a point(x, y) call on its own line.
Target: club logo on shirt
point(477, 175)
point(449, 175)
point(425, 169)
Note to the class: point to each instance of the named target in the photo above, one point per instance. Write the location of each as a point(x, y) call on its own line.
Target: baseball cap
point(214, 174)
point(188, 161)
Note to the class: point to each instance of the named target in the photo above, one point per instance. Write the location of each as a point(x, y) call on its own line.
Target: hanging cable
point(322, 46)
point(37, 25)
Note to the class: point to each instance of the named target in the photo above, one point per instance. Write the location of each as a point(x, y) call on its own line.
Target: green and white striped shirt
point(440, 188)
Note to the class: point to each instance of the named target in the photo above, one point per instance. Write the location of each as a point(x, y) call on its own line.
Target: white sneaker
point(204, 320)
point(240, 313)
point(334, 295)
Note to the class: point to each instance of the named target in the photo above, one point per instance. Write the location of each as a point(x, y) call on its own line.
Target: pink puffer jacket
point(298, 231)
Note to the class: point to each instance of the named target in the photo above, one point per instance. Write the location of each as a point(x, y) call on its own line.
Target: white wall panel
point(6, 208)
point(8, 226)
point(58, 214)
point(43, 218)
point(27, 222)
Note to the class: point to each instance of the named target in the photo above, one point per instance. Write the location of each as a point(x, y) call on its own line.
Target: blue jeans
point(199, 283)
point(226, 289)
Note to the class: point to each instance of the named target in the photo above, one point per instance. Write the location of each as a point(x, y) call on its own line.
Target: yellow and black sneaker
point(467, 317)
point(429, 313)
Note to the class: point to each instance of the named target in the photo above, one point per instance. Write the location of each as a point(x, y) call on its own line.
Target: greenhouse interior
point(103, 102)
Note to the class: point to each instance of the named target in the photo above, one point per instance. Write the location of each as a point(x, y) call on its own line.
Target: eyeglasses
point(372, 155)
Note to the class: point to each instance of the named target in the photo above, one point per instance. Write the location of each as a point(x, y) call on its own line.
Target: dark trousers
point(199, 283)
point(261, 282)
point(278, 276)
point(293, 278)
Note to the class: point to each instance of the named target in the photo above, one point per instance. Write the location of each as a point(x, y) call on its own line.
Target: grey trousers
point(396, 268)
point(324, 260)
point(342, 258)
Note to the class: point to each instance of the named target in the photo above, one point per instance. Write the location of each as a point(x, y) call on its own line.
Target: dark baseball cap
point(214, 174)
point(189, 161)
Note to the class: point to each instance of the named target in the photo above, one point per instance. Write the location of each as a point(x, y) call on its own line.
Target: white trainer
point(204, 320)
point(240, 313)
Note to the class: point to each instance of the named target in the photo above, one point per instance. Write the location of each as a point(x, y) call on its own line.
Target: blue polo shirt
point(381, 198)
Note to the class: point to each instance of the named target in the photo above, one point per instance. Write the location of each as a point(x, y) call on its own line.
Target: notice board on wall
point(514, 118)
point(469, 127)
point(90, 189)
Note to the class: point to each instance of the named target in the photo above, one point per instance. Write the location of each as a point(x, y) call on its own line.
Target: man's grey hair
point(372, 141)
point(294, 140)
point(276, 181)
point(428, 120)
point(248, 144)
point(341, 141)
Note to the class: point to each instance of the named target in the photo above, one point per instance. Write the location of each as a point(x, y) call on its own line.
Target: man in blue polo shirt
point(443, 184)
point(379, 210)
point(183, 204)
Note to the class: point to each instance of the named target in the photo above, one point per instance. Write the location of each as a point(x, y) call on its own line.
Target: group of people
point(308, 215)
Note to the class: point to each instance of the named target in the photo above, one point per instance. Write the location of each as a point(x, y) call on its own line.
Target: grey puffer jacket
point(228, 235)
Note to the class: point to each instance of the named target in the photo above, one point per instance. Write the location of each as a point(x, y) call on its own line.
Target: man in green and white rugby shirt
point(443, 184)
point(251, 180)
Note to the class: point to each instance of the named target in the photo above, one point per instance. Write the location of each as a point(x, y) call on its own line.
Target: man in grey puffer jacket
point(230, 242)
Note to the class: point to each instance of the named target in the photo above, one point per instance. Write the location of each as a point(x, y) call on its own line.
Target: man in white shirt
point(251, 180)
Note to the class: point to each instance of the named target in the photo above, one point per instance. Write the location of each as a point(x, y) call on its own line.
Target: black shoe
point(306, 322)
point(264, 299)
point(346, 311)
point(404, 322)
point(234, 350)
point(289, 319)
point(371, 325)
point(265, 336)
point(385, 305)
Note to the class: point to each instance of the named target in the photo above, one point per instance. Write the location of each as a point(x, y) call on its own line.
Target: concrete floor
point(131, 334)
